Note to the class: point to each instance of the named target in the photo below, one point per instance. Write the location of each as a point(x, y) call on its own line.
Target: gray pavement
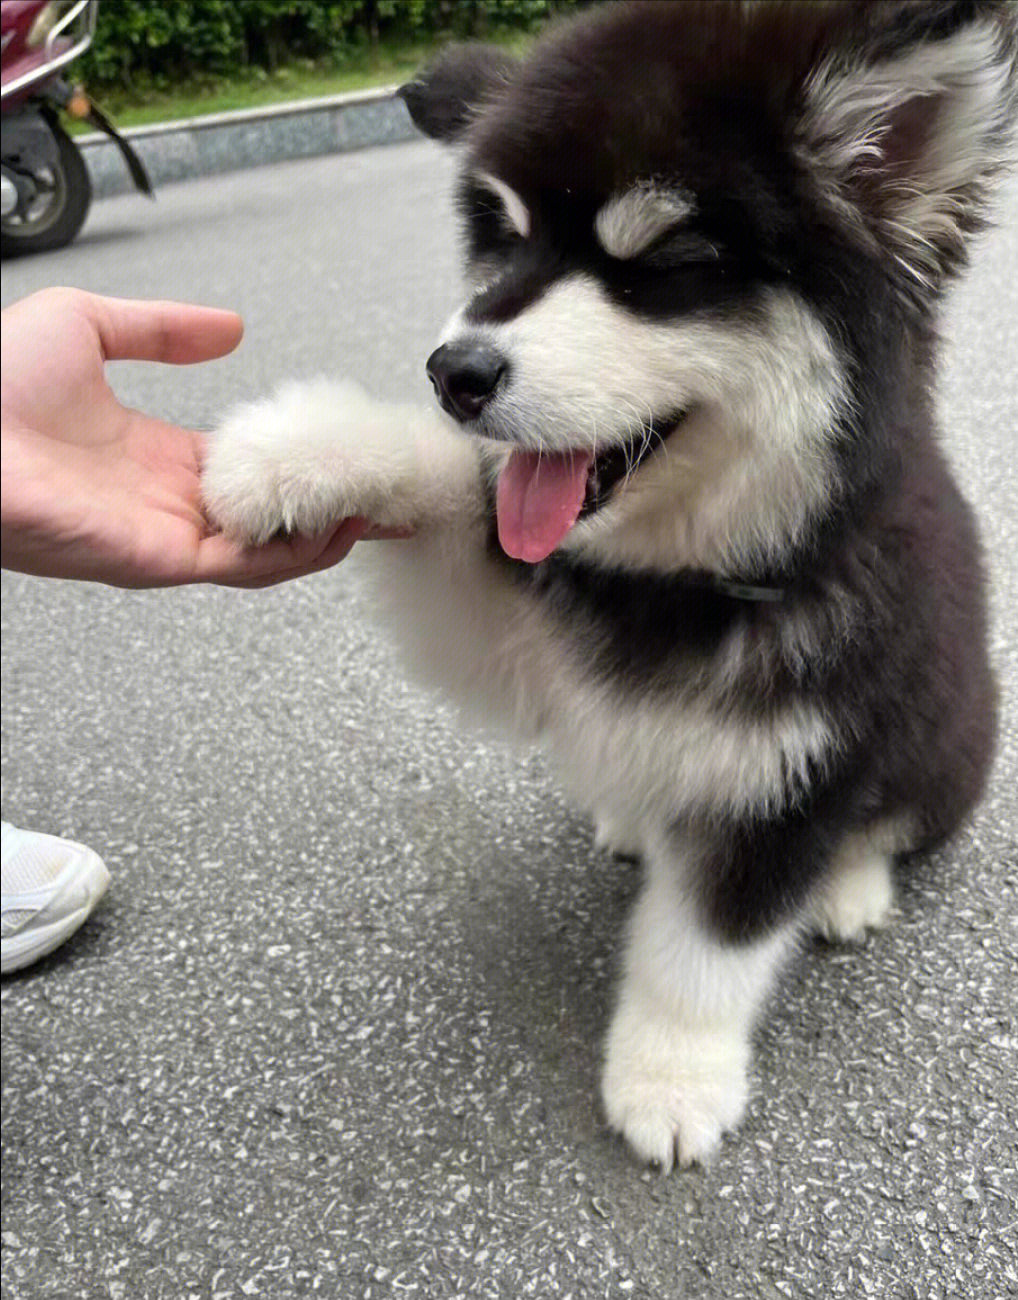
point(335, 1031)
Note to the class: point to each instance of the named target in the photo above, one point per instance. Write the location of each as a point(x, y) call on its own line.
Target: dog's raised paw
point(297, 462)
point(672, 1093)
point(241, 482)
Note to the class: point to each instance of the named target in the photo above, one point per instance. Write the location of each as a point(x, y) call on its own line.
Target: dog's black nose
point(465, 375)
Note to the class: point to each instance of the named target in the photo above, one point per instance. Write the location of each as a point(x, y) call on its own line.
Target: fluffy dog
point(685, 519)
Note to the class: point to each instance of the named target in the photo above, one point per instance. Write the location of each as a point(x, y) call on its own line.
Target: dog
point(683, 517)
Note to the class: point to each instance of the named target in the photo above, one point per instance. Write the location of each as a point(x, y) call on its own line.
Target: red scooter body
point(46, 191)
point(19, 60)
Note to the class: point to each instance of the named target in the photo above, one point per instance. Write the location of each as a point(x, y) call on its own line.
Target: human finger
point(177, 333)
point(229, 563)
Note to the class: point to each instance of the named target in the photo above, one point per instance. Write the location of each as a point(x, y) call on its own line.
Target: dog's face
point(678, 217)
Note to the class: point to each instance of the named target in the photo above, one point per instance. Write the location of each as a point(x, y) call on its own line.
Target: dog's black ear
point(442, 98)
point(907, 116)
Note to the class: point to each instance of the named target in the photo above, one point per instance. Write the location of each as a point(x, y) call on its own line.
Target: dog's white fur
point(515, 212)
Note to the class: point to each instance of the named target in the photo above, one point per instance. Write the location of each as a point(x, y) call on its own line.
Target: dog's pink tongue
point(538, 500)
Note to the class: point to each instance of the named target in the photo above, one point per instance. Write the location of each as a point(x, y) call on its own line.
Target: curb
point(250, 137)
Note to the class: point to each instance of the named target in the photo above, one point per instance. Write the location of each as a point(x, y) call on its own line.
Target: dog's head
point(693, 231)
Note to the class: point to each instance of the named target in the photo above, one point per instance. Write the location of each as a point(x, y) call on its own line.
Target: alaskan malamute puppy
point(683, 516)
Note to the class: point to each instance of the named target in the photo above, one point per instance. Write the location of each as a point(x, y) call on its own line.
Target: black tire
point(57, 222)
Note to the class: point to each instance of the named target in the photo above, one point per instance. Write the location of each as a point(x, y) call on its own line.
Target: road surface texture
point(335, 1031)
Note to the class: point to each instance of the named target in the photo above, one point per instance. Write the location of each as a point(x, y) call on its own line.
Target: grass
point(255, 88)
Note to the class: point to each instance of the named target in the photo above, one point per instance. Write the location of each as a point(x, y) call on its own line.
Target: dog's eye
point(676, 250)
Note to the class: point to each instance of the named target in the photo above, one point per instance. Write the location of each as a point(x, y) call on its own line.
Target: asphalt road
point(335, 1031)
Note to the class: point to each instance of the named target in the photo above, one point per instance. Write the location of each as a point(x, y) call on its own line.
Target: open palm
point(94, 490)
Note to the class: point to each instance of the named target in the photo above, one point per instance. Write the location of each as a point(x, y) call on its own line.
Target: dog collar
point(745, 590)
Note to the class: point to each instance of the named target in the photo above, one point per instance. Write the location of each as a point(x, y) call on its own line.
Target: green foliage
point(158, 43)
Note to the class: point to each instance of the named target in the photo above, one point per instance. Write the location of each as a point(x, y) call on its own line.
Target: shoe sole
point(40, 936)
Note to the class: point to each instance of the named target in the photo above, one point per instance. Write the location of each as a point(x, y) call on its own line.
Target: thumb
point(173, 332)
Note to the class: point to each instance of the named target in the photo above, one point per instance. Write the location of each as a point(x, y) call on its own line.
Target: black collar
point(744, 590)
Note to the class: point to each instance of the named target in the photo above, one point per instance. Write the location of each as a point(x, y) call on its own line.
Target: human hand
point(94, 490)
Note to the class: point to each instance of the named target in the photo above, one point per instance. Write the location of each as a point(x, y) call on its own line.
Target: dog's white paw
point(615, 835)
point(299, 461)
point(672, 1092)
point(856, 897)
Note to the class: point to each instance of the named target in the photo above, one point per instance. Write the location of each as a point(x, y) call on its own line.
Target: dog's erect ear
point(907, 117)
point(442, 99)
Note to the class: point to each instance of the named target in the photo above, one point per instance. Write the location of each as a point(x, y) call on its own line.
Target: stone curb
point(226, 142)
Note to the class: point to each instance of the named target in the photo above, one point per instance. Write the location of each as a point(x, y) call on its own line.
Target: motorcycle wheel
point(59, 209)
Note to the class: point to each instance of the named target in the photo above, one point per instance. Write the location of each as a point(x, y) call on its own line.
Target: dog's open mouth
point(541, 495)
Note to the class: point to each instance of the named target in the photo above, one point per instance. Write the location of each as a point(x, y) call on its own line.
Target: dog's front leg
point(320, 451)
point(677, 1052)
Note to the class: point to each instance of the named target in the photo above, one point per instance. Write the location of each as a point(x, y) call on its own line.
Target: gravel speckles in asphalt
point(335, 1031)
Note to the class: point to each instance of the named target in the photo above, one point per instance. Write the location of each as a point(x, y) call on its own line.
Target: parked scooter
point(45, 191)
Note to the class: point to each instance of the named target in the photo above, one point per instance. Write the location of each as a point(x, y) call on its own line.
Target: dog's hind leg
point(616, 835)
point(858, 893)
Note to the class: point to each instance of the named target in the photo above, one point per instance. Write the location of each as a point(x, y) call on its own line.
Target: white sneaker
point(50, 886)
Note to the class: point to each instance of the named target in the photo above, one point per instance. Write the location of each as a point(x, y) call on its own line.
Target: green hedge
point(162, 42)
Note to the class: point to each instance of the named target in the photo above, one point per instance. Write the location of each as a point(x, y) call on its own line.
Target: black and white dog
point(685, 519)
